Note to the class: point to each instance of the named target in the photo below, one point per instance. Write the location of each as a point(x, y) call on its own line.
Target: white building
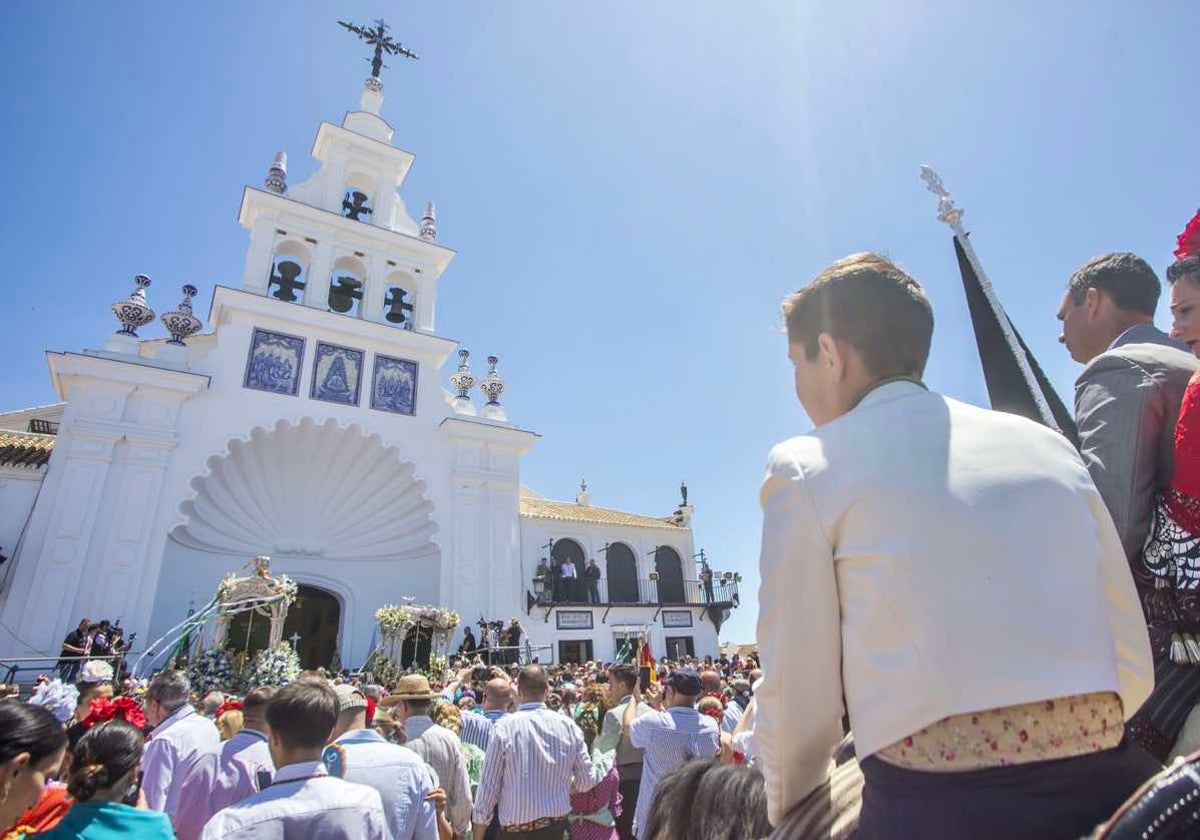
point(311, 424)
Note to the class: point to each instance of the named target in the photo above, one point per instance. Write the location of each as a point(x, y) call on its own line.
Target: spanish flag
point(646, 660)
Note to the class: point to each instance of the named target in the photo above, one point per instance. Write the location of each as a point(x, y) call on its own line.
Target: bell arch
point(669, 566)
point(622, 574)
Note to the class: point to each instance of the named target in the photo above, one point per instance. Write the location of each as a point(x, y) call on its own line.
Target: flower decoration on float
point(213, 670)
point(279, 665)
point(396, 619)
point(118, 708)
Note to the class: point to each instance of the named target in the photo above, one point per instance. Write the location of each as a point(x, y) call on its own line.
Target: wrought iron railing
point(647, 591)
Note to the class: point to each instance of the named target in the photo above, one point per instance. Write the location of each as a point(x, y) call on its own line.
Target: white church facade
point(310, 421)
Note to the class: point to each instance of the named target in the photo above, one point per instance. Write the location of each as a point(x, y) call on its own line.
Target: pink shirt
point(222, 776)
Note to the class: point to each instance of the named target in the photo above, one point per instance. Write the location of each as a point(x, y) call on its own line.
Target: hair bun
point(85, 781)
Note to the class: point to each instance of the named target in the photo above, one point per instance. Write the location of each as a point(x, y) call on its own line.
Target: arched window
point(398, 302)
point(621, 571)
point(289, 272)
point(346, 286)
point(565, 589)
point(670, 575)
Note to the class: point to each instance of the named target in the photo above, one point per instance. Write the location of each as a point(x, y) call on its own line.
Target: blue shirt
point(477, 728)
point(401, 777)
point(668, 739)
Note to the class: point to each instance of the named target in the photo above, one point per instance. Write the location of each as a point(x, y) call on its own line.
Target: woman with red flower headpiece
point(1169, 575)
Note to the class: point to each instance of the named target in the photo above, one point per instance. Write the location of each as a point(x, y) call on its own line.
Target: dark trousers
point(628, 788)
point(555, 831)
point(1045, 800)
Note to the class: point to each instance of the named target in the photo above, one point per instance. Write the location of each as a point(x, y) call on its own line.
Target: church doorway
point(314, 619)
point(574, 651)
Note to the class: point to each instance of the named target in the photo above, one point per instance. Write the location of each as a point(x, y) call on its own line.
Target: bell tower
point(343, 241)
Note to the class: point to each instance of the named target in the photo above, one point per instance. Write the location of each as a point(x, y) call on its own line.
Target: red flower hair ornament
point(228, 706)
point(370, 710)
point(118, 708)
point(1188, 242)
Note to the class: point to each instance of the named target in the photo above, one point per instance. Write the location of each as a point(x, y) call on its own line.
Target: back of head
point(497, 694)
point(705, 800)
point(710, 681)
point(257, 700)
point(871, 305)
point(303, 713)
point(1126, 278)
point(211, 702)
point(170, 689)
point(28, 729)
point(532, 682)
point(104, 756)
point(449, 716)
point(625, 677)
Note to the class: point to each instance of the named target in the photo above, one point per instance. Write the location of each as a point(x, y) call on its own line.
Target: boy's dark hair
point(626, 675)
point(303, 713)
point(870, 304)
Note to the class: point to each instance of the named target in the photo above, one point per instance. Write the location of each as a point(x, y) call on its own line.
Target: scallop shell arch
point(310, 489)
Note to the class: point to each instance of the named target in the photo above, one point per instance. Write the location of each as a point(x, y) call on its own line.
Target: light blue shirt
point(477, 728)
point(401, 777)
point(303, 803)
point(668, 739)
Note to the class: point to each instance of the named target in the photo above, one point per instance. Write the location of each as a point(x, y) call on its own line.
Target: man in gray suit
point(1126, 403)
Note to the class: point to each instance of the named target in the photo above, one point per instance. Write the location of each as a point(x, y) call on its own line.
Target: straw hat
point(410, 687)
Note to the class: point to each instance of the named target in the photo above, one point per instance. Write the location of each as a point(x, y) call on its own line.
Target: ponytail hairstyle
point(107, 753)
point(28, 729)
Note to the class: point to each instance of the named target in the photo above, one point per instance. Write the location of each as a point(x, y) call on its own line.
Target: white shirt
point(926, 558)
point(173, 746)
point(535, 759)
point(303, 803)
point(568, 570)
point(219, 777)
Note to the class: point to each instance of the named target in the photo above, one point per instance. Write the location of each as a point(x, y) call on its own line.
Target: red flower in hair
point(370, 710)
point(118, 708)
point(1189, 240)
point(227, 706)
point(714, 713)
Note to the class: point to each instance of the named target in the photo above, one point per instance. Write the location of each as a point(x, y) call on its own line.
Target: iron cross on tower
point(377, 37)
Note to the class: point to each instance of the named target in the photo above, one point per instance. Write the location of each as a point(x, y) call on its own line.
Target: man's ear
point(831, 357)
point(1092, 301)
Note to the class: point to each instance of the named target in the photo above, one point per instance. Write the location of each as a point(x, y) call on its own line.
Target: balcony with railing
point(647, 592)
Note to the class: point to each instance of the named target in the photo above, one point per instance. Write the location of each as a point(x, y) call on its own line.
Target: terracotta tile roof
point(571, 512)
point(25, 449)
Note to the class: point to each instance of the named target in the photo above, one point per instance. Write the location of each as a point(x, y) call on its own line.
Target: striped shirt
point(535, 759)
point(441, 750)
point(477, 728)
point(668, 739)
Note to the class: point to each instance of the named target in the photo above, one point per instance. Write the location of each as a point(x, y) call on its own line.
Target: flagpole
point(952, 216)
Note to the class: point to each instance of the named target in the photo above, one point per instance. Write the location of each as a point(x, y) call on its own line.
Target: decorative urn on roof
point(133, 312)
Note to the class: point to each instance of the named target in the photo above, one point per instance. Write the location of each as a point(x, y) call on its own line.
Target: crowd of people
point(589, 751)
point(101, 640)
point(971, 624)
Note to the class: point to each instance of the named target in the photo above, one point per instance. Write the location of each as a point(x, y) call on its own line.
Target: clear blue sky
point(631, 189)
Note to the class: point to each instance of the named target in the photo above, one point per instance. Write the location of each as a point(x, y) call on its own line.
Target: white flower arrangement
point(395, 620)
point(213, 670)
point(274, 666)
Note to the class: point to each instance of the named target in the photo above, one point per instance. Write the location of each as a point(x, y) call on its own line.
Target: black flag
point(1009, 388)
